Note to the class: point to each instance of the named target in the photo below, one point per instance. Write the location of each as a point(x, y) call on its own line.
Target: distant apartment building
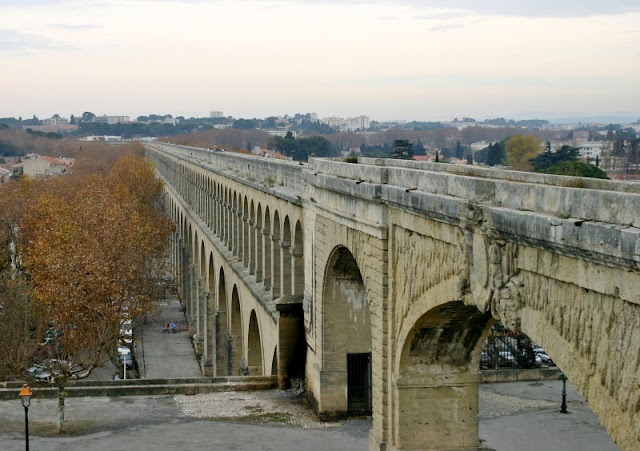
point(102, 138)
point(54, 120)
point(112, 120)
point(281, 133)
point(580, 136)
point(55, 124)
point(591, 149)
point(349, 124)
point(215, 114)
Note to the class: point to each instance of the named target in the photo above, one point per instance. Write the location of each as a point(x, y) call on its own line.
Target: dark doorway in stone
point(359, 383)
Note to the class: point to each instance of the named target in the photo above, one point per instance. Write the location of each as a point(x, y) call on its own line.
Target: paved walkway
point(525, 416)
point(162, 355)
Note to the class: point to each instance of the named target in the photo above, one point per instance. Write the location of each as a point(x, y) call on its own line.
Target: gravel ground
point(263, 406)
point(494, 405)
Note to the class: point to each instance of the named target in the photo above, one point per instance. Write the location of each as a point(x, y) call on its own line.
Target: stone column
point(297, 268)
point(436, 411)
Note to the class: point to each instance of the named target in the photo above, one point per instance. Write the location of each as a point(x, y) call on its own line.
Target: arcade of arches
point(378, 282)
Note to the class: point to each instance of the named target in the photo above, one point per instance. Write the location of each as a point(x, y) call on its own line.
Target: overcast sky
point(400, 59)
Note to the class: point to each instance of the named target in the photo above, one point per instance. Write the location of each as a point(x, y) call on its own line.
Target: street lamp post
point(25, 398)
point(563, 406)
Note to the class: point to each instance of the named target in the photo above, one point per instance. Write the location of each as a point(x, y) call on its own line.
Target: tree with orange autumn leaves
point(94, 248)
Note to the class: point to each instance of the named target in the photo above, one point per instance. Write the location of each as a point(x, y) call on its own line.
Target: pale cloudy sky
point(388, 59)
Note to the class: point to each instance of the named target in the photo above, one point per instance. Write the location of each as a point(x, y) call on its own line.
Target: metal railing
point(507, 349)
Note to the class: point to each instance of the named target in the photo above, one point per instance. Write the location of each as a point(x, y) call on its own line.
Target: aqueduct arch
point(438, 367)
point(254, 347)
point(222, 352)
point(236, 342)
point(347, 344)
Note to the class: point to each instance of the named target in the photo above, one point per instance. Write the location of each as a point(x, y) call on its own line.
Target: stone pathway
point(162, 355)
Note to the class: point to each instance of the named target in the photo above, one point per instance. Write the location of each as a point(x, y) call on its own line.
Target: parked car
point(126, 331)
point(506, 359)
point(51, 335)
point(543, 360)
point(40, 374)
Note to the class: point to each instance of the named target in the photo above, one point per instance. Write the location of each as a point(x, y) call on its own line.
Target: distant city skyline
point(400, 60)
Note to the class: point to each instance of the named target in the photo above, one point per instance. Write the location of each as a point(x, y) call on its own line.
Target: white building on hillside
point(349, 124)
point(104, 119)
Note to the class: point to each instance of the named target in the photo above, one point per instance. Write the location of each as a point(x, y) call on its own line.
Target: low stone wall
point(534, 374)
point(146, 387)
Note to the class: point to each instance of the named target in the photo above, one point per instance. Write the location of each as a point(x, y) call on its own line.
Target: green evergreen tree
point(459, 151)
point(576, 169)
point(547, 159)
point(402, 149)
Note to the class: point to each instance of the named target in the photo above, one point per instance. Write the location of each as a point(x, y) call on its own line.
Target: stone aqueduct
point(393, 271)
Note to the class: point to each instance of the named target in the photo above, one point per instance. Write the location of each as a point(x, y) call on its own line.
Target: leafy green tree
point(7, 149)
point(269, 122)
point(576, 169)
point(303, 148)
point(88, 116)
point(520, 149)
point(244, 124)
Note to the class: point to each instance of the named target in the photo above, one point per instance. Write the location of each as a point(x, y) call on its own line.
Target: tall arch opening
point(438, 367)
point(276, 281)
point(235, 339)
point(346, 375)
point(298, 260)
point(274, 362)
point(237, 225)
point(266, 233)
point(210, 348)
point(287, 282)
point(221, 326)
point(259, 245)
point(254, 347)
point(244, 236)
